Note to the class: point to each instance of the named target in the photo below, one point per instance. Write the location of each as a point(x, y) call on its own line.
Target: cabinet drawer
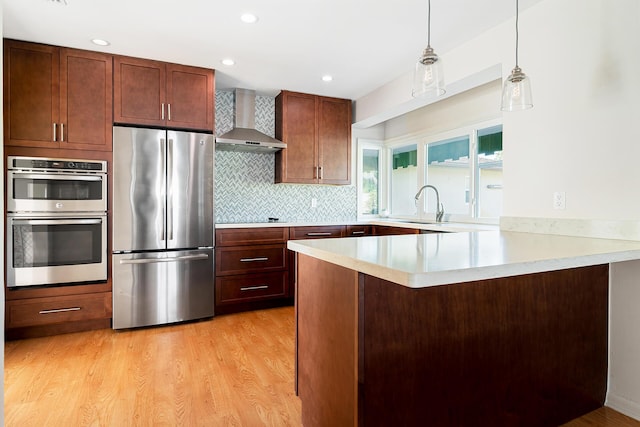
point(251, 287)
point(44, 311)
point(358, 230)
point(319, 232)
point(255, 259)
point(251, 236)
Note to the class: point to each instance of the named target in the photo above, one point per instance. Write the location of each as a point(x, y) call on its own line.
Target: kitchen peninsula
point(474, 328)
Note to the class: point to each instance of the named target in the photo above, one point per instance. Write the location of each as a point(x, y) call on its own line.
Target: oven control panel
point(62, 165)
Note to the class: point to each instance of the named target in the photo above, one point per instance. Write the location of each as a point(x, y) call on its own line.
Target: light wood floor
point(234, 370)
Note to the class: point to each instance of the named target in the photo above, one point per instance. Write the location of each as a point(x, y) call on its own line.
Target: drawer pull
point(319, 234)
point(59, 310)
point(357, 232)
point(254, 259)
point(254, 288)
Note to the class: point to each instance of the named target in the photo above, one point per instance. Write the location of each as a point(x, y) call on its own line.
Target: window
point(448, 168)
point(369, 161)
point(404, 176)
point(489, 192)
point(465, 165)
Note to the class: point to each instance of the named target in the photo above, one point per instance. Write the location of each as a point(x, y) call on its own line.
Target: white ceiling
point(361, 43)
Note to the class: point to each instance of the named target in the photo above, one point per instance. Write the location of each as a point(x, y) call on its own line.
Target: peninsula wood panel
point(327, 343)
point(527, 350)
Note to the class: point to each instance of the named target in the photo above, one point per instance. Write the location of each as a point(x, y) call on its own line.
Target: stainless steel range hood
point(244, 136)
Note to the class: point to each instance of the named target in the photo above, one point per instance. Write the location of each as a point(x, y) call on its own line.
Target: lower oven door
point(56, 250)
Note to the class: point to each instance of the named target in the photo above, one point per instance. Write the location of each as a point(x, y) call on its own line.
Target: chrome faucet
point(439, 207)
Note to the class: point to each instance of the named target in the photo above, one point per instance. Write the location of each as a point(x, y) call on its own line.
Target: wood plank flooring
point(234, 370)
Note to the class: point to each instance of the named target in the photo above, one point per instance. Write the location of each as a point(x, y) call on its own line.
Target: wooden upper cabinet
point(317, 131)
point(86, 112)
point(334, 140)
point(139, 91)
point(56, 97)
point(160, 94)
point(190, 97)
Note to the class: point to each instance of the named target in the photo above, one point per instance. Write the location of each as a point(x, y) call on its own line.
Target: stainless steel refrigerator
point(163, 226)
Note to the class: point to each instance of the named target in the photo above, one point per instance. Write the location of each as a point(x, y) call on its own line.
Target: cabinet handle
point(55, 131)
point(163, 111)
point(61, 132)
point(254, 288)
point(59, 310)
point(254, 259)
point(320, 172)
point(357, 232)
point(169, 111)
point(319, 234)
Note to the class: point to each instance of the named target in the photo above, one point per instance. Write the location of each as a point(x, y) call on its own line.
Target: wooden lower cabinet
point(387, 230)
point(252, 269)
point(56, 310)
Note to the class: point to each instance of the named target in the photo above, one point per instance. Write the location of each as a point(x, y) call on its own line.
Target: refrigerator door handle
point(164, 209)
point(170, 189)
point(160, 260)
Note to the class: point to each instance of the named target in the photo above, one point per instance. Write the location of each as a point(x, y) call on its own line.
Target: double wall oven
point(56, 221)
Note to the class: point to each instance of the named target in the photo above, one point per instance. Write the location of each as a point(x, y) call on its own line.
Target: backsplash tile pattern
point(245, 191)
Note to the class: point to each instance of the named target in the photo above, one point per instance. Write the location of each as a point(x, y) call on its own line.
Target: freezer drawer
point(162, 287)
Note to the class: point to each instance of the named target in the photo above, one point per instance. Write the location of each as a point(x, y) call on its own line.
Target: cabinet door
point(296, 125)
point(85, 100)
point(189, 97)
point(31, 94)
point(139, 91)
point(334, 140)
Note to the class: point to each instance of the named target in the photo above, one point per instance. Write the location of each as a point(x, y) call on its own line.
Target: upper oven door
point(56, 192)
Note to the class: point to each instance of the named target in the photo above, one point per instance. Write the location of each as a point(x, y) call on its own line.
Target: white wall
point(624, 344)
point(582, 57)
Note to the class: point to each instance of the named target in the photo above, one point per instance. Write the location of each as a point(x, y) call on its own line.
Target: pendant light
point(516, 93)
point(428, 79)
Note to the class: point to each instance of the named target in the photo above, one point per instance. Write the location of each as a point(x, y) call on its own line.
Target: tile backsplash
point(244, 188)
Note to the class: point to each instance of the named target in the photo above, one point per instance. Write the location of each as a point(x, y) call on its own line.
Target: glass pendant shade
point(516, 93)
point(428, 79)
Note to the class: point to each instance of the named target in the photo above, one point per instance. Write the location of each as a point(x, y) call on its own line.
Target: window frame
point(370, 144)
point(422, 140)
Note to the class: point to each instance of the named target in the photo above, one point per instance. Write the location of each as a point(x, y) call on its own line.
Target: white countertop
point(421, 260)
point(450, 227)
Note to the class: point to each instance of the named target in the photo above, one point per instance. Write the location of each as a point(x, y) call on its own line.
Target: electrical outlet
point(559, 200)
point(314, 202)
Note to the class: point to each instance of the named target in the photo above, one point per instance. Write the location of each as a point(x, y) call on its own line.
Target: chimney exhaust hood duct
point(244, 136)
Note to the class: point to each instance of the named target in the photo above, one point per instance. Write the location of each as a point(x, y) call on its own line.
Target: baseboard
point(620, 404)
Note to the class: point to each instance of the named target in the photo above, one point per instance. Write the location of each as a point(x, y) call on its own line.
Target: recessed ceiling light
point(100, 42)
point(228, 61)
point(60, 2)
point(249, 18)
point(327, 78)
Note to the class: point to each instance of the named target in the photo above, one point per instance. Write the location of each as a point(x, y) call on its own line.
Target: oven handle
point(56, 221)
point(156, 260)
point(68, 177)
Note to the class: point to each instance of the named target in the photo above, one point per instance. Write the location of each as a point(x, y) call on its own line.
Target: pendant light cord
point(429, 25)
point(517, 15)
